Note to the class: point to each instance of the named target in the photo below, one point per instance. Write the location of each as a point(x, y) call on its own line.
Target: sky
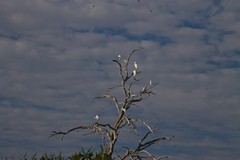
point(56, 56)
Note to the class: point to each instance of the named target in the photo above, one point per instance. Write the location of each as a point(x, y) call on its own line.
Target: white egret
point(150, 82)
point(96, 117)
point(135, 65)
point(119, 56)
point(143, 89)
point(133, 95)
point(124, 110)
point(134, 72)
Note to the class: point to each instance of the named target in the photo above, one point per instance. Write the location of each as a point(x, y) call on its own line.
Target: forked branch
point(140, 151)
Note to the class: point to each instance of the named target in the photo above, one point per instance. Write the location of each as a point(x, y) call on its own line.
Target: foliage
point(82, 155)
point(89, 155)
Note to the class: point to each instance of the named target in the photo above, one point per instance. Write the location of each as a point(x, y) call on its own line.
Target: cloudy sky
point(56, 56)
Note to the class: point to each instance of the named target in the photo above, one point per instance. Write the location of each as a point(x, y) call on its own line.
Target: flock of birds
point(134, 74)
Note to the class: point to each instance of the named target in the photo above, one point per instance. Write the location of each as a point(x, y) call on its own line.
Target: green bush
point(89, 155)
point(82, 155)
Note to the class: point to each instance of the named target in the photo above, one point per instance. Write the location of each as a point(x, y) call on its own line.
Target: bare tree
point(110, 132)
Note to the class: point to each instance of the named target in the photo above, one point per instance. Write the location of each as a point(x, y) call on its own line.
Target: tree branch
point(140, 151)
point(97, 128)
point(112, 97)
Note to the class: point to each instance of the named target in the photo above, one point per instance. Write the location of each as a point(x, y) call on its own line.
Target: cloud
point(56, 56)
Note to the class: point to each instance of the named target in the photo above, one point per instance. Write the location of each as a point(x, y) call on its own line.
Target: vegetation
point(82, 155)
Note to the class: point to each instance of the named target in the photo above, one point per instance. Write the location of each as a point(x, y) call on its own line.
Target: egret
point(133, 95)
point(134, 72)
point(143, 89)
point(124, 110)
point(96, 117)
point(119, 56)
point(135, 65)
point(150, 82)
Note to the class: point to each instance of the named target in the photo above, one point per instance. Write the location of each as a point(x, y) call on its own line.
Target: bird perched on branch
point(134, 72)
point(144, 89)
point(96, 117)
point(135, 65)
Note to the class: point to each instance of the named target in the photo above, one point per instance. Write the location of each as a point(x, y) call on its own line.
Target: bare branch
point(112, 97)
point(120, 68)
point(95, 128)
point(140, 151)
point(111, 88)
point(54, 133)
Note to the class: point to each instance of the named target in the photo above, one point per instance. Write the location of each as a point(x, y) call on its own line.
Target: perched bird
point(124, 110)
point(96, 117)
point(133, 95)
point(134, 72)
point(143, 89)
point(119, 56)
point(135, 65)
point(150, 82)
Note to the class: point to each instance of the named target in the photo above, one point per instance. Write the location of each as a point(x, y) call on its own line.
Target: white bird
point(124, 110)
point(143, 89)
point(134, 72)
point(135, 65)
point(133, 95)
point(96, 117)
point(150, 82)
point(119, 56)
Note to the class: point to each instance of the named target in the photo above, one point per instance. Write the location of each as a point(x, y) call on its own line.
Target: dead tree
point(110, 132)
